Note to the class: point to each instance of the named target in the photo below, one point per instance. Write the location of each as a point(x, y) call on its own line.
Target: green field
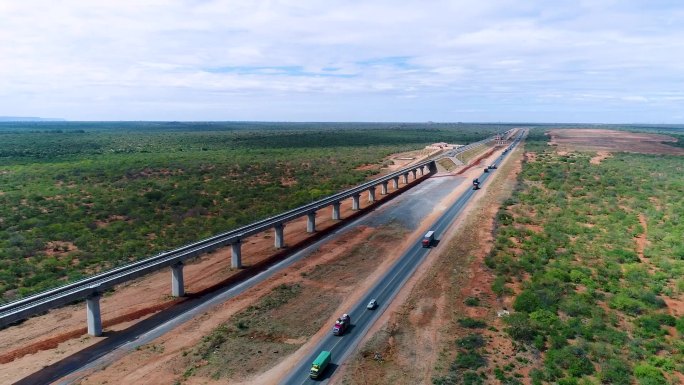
point(76, 198)
point(592, 306)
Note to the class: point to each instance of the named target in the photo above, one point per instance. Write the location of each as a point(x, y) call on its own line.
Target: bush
point(680, 325)
point(520, 327)
point(499, 286)
point(469, 360)
point(615, 371)
point(571, 358)
point(649, 375)
point(526, 301)
point(471, 323)
point(472, 301)
point(471, 342)
point(627, 304)
point(472, 378)
point(449, 379)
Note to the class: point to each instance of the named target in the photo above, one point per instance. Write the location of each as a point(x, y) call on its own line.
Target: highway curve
point(384, 291)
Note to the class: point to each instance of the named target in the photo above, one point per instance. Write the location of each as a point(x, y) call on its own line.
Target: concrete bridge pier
point(414, 173)
point(356, 202)
point(177, 286)
point(405, 178)
point(395, 183)
point(236, 255)
point(383, 188)
point(336, 211)
point(279, 235)
point(311, 222)
point(94, 319)
point(422, 170)
point(371, 194)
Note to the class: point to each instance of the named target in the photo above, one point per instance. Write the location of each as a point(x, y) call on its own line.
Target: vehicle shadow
point(329, 371)
point(349, 330)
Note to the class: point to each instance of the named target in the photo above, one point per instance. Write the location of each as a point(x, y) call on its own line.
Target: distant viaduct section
point(92, 288)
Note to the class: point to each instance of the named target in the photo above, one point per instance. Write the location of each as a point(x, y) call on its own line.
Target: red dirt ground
point(612, 141)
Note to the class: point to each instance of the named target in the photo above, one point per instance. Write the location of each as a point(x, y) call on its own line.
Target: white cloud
point(290, 60)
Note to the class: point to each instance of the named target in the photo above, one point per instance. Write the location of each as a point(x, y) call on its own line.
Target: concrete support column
point(336, 211)
point(422, 171)
point(93, 315)
point(279, 235)
point(371, 194)
point(177, 287)
point(383, 188)
point(405, 178)
point(356, 201)
point(236, 254)
point(311, 222)
point(414, 174)
point(395, 183)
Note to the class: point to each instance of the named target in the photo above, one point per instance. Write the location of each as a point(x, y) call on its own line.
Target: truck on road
point(476, 184)
point(341, 325)
point(429, 239)
point(320, 363)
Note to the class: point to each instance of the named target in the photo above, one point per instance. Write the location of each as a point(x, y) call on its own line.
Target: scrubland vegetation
point(76, 198)
point(594, 257)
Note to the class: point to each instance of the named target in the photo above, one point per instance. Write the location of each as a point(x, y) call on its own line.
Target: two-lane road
point(384, 291)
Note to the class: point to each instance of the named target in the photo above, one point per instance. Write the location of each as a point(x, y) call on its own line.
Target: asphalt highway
point(384, 291)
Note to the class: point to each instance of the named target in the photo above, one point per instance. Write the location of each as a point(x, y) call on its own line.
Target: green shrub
point(520, 327)
point(468, 360)
point(649, 375)
point(526, 301)
point(472, 301)
point(449, 379)
point(627, 304)
point(615, 371)
point(499, 286)
point(680, 325)
point(471, 323)
point(571, 358)
point(471, 342)
point(472, 378)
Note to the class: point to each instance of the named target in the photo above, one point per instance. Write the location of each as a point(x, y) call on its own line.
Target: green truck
point(320, 363)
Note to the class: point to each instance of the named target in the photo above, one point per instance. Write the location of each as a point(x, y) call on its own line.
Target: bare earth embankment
point(568, 140)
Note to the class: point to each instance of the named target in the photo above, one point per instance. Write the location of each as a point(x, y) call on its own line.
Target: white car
point(372, 304)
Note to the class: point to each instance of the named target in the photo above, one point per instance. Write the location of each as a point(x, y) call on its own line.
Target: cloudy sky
point(597, 61)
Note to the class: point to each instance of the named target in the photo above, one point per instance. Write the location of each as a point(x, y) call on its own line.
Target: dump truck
point(429, 238)
point(320, 363)
point(341, 325)
point(476, 184)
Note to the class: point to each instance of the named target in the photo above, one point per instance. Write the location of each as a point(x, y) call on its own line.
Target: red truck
point(428, 239)
point(341, 325)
